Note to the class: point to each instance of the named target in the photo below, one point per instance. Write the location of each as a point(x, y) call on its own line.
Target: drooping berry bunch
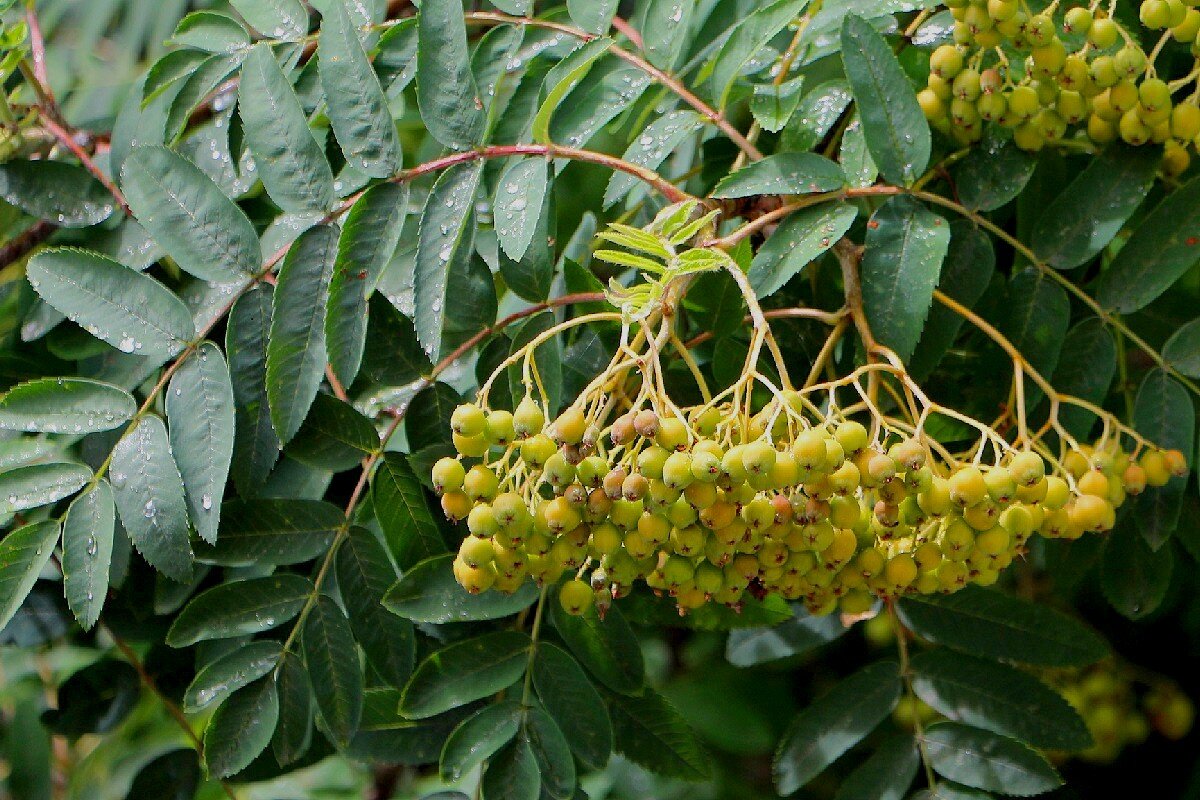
point(1121, 707)
point(1044, 73)
point(703, 505)
point(764, 487)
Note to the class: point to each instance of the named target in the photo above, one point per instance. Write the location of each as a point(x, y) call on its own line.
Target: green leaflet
point(512, 774)
point(999, 698)
point(1035, 320)
point(87, 548)
point(23, 554)
point(446, 91)
point(550, 750)
point(571, 699)
point(562, 80)
point(255, 444)
point(520, 191)
point(608, 647)
point(987, 761)
point(130, 311)
point(364, 575)
point(65, 405)
point(593, 16)
point(465, 671)
point(835, 723)
point(408, 526)
point(887, 774)
point(189, 215)
point(368, 239)
point(797, 242)
point(429, 593)
point(231, 672)
point(649, 149)
point(750, 35)
point(272, 531)
point(1182, 350)
point(200, 411)
point(802, 633)
point(995, 174)
point(333, 668)
point(212, 32)
point(477, 738)
point(664, 25)
point(773, 105)
point(1161, 249)
point(649, 731)
point(296, 345)
point(446, 239)
point(357, 106)
point(1091, 209)
point(905, 246)
point(785, 173)
point(1086, 371)
point(894, 126)
point(241, 728)
point(274, 17)
point(76, 200)
point(239, 608)
point(1163, 412)
point(150, 498)
point(289, 161)
point(815, 116)
point(989, 623)
point(293, 732)
point(966, 273)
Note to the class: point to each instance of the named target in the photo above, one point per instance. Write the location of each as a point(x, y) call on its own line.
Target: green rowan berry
point(480, 483)
point(1001, 10)
point(1155, 14)
point(967, 487)
point(1077, 20)
point(1023, 102)
point(1133, 130)
point(470, 446)
point(499, 428)
point(569, 427)
point(946, 61)
point(1039, 30)
point(537, 449)
point(1186, 31)
point(672, 434)
point(468, 420)
point(528, 418)
point(1129, 61)
point(448, 475)
point(576, 597)
point(1103, 33)
point(851, 436)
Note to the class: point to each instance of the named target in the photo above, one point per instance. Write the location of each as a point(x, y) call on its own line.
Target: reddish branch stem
point(67, 139)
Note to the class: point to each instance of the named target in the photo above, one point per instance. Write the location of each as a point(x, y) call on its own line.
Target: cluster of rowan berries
point(1118, 715)
point(1042, 73)
point(709, 503)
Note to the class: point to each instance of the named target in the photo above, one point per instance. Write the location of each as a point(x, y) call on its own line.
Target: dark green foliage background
point(326, 241)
